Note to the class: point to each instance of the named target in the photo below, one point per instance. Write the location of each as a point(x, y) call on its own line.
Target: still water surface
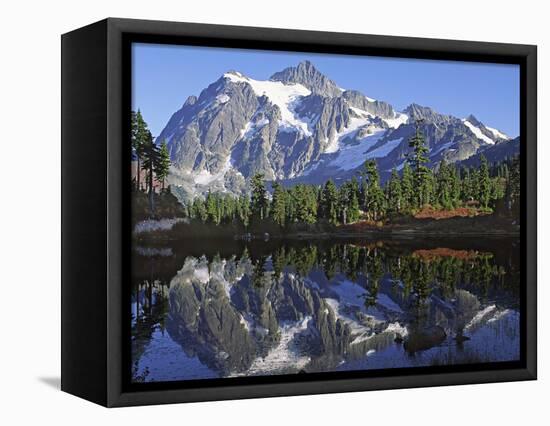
point(210, 309)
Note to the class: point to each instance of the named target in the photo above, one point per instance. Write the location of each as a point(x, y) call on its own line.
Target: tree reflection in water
point(261, 308)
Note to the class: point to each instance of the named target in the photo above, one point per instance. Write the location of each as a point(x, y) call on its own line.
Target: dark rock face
point(299, 126)
point(495, 153)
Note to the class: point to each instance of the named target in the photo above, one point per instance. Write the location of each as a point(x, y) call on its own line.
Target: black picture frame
point(95, 205)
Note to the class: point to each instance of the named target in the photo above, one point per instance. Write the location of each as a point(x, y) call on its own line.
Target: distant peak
point(472, 119)
point(416, 110)
point(419, 112)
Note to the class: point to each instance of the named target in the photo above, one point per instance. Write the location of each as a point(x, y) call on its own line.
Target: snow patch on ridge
point(497, 133)
point(477, 133)
point(280, 94)
point(354, 124)
point(352, 156)
point(398, 120)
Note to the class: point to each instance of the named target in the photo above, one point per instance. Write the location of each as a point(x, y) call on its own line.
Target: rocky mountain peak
point(191, 100)
point(472, 119)
point(299, 126)
point(419, 112)
point(306, 74)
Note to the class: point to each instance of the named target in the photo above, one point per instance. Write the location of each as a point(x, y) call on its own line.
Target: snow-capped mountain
point(301, 126)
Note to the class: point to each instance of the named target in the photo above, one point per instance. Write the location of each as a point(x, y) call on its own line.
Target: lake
point(224, 308)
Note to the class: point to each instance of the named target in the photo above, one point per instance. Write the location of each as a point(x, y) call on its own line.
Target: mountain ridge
point(300, 126)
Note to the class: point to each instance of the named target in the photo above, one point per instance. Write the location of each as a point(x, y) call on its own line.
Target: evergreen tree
point(393, 192)
point(444, 189)
point(374, 196)
point(329, 205)
point(348, 200)
point(199, 210)
point(259, 201)
point(407, 187)
point(150, 161)
point(474, 184)
point(139, 136)
point(278, 204)
point(243, 210)
point(343, 204)
point(305, 200)
point(514, 186)
point(484, 185)
point(162, 166)
point(418, 159)
point(353, 200)
point(212, 208)
point(466, 185)
point(362, 192)
point(455, 186)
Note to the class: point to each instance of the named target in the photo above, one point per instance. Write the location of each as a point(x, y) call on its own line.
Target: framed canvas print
point(255, 212)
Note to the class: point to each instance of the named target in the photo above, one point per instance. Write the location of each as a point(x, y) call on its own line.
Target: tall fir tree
point(353, 200)
point(162, 166)
point(199, 210)
point(374, 196)
point(150, 161)
point(259, 201)
point(393, 192)
point(243, 210)
point(418, 159)
point(484, 183)
point(278, 204)
point(455, 186)
point(444, 189)
point(139, 136)
point(305, 200)
point(329, 205)
point(407, 187)
point(212, 208)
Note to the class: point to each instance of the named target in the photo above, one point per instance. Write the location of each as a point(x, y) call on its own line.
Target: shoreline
point(391, 234)
point(472, 227)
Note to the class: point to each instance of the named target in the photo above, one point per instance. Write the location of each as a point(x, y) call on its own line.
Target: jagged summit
point(420, 112)
point(472, 119)
point(306, 74)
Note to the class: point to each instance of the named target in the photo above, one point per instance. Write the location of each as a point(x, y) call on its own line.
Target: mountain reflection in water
point(227, 308)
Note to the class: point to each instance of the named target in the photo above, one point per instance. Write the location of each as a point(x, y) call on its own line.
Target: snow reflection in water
point(283, 308)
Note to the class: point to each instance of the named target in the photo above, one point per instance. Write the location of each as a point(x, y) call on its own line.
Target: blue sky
point(165, 75)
